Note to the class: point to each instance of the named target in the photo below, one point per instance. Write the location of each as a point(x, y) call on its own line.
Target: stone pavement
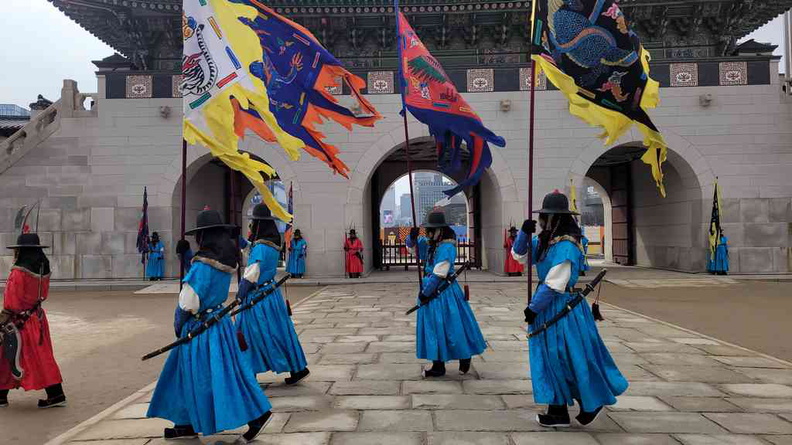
point(366, 387)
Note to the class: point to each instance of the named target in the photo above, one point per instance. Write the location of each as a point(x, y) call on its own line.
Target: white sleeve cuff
point(441, 269)
point(522, 259)
point(188, 299)
point(558, 277)
point(252, 273)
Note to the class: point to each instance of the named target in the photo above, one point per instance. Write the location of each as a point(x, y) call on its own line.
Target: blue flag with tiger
point(587, 49)
point(298, 72)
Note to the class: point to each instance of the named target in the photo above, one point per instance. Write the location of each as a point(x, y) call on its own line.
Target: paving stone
point(299, 403)
point(111, 442)
point(695, 341)
point(697, 373)
point(656, 422)
point(414, 420)
point(331, 373)
point(431, 387)
point(357, 338)
point(398, 357)
point(361, 387)
point(390, 346)
point(456, 401)
point(508, 345)
point(635, 373)
point(661, 347)
point(668, 358)
point(468, 420)
point(700, 404)
point(136, 411)
point(345, 348)
point(759, 389)
point(626, 358)
point(779, 440)
point(125, 429)
point(323, 421)
point(491, 356)
point(636, 439)
point(553, 438)
point(721, 439)
point(759, 405)
point(290, 439)
point(497, 387)
point(454, 438)
point(497, 371)
point(379, 438)
point(786, 416)
point(348, 359)
point(780, 376)
point(687, 389)
point(403, 337)
point(388, 372)
point(373, 402)
point(639, 403)
point(751, 423)
point(519, 401)
point(726, 351)
point(751, 362)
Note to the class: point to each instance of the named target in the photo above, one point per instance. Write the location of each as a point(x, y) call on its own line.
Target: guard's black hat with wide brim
point(28, 240)
point(435, 220)
point(208, 219)
point(557, 203)
point(262, 212)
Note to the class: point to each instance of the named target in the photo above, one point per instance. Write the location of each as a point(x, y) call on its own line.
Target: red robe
point(37, 360)
point(511, 265)
point(353, 263)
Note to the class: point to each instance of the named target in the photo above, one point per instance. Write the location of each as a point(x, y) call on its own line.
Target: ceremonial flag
point(588, 51)
point(218, 53)
point(298, 71)
point(287, 234)
point(432, 98)
point(715, 222)
point(143, 229)
point(573, 197)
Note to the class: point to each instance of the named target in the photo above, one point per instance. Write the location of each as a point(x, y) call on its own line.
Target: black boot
point(464, 366)
point(180, 432)
point(295, 377)
point(55, 397)
point(255, 427)
point(585, 418)
point(437, 370)
point(557, 416)
point(3, 398)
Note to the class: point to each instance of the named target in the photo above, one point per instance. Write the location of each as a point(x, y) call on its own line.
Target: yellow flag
point(573, 197)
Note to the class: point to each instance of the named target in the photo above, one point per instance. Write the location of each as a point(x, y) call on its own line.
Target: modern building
point(724, 113)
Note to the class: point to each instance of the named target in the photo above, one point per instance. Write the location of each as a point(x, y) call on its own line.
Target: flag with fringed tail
point(298, 71)
point(218, 49)
point(432, 98)
point(587, 49)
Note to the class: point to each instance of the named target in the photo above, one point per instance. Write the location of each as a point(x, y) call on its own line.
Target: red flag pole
point(530, 170)
point(183, 204)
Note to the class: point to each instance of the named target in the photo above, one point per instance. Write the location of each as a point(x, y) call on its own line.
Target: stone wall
point(90, 175)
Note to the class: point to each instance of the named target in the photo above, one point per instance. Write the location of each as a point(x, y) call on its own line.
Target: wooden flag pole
point(183, 205)
point(530, 171)
point(412, 194)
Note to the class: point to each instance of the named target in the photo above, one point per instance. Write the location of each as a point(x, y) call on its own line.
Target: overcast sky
point(41, 47)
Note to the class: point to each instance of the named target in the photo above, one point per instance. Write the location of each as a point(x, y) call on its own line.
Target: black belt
point(571, 304)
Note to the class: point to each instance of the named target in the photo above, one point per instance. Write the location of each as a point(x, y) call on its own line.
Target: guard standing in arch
point(298, 250)
point(206, 385)
point(269, 332)
point(26, 357)
point(155, 268)
point(446, 328)
point(353, 250)
point(511, 267)
point(569, 361)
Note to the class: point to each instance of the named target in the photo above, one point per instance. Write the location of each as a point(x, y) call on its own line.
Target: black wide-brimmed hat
point(513, 229)
point(555, 202)
point(28, 240)
point(434, 220)
point(208, 219)
point(297, 232)
point(262, 212)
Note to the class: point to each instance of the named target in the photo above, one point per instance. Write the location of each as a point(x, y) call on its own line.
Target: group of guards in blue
point(209, 384)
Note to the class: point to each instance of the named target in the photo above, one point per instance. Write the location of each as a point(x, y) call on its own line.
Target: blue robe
point(446, 328)
point(296, 264)
point(584, 265)
point(207, 382)
point(720, 263)
point(155, 267)
point(272, 341)
point(569, 361)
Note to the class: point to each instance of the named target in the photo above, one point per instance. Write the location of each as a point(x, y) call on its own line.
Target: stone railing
point(45, 123)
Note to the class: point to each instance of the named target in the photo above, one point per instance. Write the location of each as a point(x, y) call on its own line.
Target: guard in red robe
point(26, 358)
point(512, 267)
point(353, 249)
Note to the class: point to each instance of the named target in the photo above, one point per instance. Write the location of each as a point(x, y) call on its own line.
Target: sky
point(41, 47)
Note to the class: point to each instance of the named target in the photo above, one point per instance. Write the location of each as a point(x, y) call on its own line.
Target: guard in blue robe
point(185, 254)
point(446, 328)
point(272, 341)
point(298, 249)
point(584, 265)
point(206, 385)
point(569, 361)
point(155, 267)
point(719, 264)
